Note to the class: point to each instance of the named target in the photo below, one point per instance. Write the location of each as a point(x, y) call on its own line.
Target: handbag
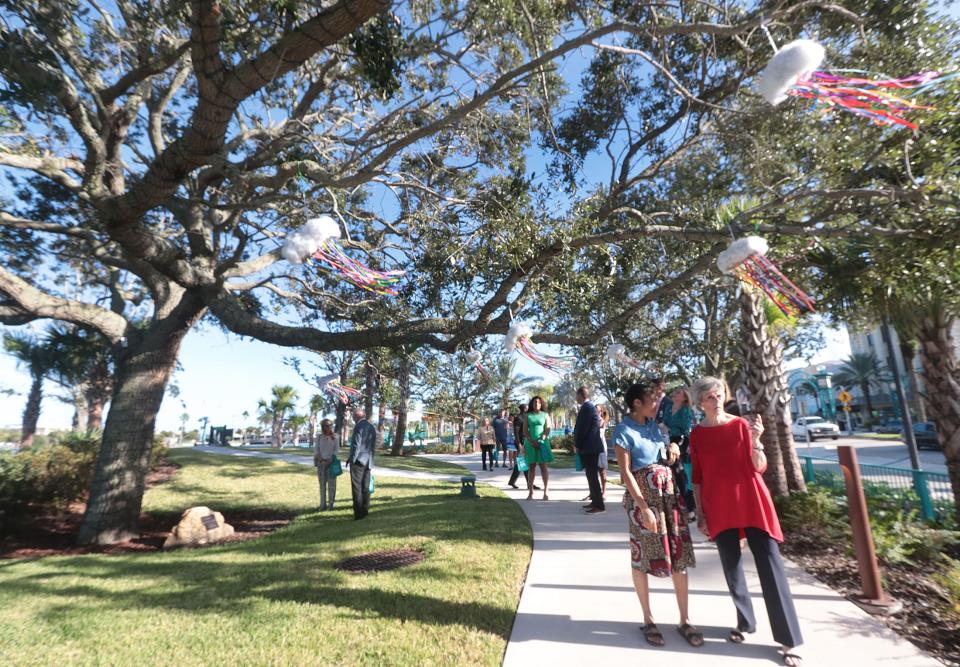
point(373, 486)
point(335, 469)
point(577, 463)
point(522, 463)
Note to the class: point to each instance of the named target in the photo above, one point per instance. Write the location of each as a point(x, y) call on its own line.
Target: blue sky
point(222, 376)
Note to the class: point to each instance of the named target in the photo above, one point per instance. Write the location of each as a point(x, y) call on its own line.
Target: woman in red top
point(733, 502)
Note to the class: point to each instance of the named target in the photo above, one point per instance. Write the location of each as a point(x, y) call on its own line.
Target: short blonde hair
point(704, 385)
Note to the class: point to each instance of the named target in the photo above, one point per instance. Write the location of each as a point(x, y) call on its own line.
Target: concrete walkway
point(578, 605)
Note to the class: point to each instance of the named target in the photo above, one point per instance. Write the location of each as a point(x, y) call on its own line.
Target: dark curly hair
point(543, 404)
point(638, 391)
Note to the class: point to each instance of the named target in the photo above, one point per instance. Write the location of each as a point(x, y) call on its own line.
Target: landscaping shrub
point(562, 442)
point(949, 579)
point(53, 474)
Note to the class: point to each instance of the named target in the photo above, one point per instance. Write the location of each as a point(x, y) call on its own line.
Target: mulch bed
point(925, 620)
point(49, 532)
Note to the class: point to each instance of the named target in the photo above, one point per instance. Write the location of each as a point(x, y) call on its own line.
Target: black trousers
point(591, 468)
point(516, 473)
point(360, 488)
point(485, 451)
point(773, 582)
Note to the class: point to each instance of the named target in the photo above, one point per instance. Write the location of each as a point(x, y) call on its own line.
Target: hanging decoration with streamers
point(617, 353)
point(320, 238)
point(474, 358)
point(518, 338)
point(343, 393)
point(746, 259)
point(793, 72)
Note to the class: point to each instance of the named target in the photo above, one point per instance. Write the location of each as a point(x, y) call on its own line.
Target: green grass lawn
point(875, 436)
point(384, 460)
point(278, 600)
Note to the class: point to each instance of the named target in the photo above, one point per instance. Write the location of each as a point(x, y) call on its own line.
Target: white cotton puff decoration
point(473, 356)
point(306, 240)
point(516, 331)
point(797, 58)
point(615, 351)
point(738, 251)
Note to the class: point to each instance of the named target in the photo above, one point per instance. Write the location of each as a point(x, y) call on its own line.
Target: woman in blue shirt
point(659, 538)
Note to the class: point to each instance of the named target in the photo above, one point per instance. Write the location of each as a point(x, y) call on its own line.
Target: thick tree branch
point(26, 299)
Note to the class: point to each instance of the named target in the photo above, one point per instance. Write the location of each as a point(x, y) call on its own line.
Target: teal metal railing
point(931, 491)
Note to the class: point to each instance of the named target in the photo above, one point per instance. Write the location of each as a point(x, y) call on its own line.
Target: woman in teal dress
point(537, 445)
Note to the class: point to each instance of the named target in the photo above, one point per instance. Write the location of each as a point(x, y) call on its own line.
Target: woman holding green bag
point(325, 460)
point(537, 444)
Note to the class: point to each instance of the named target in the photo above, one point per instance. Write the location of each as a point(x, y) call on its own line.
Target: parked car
point(925, 434)
point(814, 427)
point(891, 426)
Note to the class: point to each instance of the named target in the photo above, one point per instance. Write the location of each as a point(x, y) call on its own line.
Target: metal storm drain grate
point(379, 561)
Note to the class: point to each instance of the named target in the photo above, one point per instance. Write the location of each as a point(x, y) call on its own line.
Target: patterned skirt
point(667, 549)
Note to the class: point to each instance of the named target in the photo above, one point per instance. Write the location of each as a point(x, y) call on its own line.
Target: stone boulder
point(198, 525)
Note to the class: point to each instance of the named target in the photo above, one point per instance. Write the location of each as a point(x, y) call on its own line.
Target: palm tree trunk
point(909, 353)
point(942, 377)
point(766, 383)
point(865, 388)
point(401, 425)
point(31, 413)
point(143, 370)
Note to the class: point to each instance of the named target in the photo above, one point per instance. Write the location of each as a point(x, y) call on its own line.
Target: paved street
point(875, 452)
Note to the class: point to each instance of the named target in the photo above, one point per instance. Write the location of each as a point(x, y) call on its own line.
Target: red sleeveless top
point(733, 494)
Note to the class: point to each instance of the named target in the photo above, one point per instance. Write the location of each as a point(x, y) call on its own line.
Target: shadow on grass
point(223, 579)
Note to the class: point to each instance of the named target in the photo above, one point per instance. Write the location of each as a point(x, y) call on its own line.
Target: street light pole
point(901, 398)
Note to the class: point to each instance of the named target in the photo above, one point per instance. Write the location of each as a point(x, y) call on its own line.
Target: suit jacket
point(363, 442)
point(586, 433)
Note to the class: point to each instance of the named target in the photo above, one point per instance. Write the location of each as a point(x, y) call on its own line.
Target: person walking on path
point(363, 442)
point(679, 419)
point(604, 461)
point(589, 445)
point(327, 445)
point(500, 430)
point(536, 445)
point(487, 442)
point(733, 502)
point(660, 543)
point(519, 423)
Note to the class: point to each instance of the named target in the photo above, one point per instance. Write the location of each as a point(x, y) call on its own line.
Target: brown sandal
point(652, 634)
point(693, 636)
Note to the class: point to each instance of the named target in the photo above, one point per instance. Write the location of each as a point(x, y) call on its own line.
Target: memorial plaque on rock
point(210, 522)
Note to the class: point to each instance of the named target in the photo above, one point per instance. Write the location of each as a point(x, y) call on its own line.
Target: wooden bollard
point(873, 599)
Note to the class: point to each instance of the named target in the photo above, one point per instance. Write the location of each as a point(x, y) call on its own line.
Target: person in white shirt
point(328, 443)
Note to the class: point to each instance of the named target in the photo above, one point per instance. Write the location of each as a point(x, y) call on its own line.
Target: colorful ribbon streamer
point(760, 272)
point(357, 273)
point(342, 392)
point(874, 99)
point(553, 364)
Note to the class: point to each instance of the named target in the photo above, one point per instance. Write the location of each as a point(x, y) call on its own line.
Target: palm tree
point(863, 370)
point(314, 407)
point(38, 359)
point(766, 383)
point(84, 366)
point(506, 383)
point(243, 434)
point(296, 423)
point(274, 413)
point(184, 418)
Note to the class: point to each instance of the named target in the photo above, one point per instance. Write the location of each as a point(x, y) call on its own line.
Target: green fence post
point(923, 491)
point(807, 469)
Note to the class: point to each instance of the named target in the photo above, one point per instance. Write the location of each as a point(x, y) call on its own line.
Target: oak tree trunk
point(766, 383)
point(31, 413)
point(401, 426)
point(143, 370)
point(908, 352)
point(942, 377)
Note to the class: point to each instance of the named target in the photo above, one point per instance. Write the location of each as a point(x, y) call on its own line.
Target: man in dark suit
point(363, 442)
point(589, 444)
